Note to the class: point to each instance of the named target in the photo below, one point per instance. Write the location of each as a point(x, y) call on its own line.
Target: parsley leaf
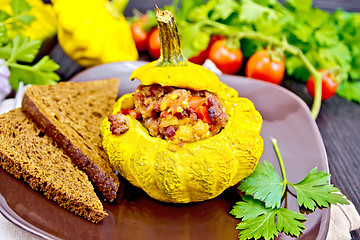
point(201, 12)
point(4, 38)
point(295, 68)
point(4, 16)
point(249, 208)
point(299, 5)
point(315, 190)
point(321, 17)
point(224, 9)
point(266, 185)
point(19, 6)
point(327, 35)
point(40, 73)
point(259, 221)
point(186, 7)
point(288, 221)
point(194, 39)
point(350, 91)
point(21, 49)
point(27, 19)
point(19, 52)
point(260, 211)
point(252, 11)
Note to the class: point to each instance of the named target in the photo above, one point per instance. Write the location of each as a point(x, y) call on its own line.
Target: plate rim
point(13, 217)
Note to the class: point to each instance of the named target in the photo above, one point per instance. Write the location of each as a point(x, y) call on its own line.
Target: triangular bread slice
point(71, 113)
point(28, 154)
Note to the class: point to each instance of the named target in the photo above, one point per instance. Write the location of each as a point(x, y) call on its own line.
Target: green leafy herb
point(264, 189)
point(329, 40)
point(19, 6)
point(41, 73)
point(266, 185)
point(259, 221)
point(21, 49)
point(20, 52)
point(252, 12)
point(350, 91)
point(19, 17)
point(315, 190)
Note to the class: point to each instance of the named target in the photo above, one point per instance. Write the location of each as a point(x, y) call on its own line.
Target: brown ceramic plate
point(137, 216)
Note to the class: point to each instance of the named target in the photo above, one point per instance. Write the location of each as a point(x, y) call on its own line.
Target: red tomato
point(227, 60)
point(329, 86)
point(200, 58)
point(261, 66)
point(165, 114)
point(195, 102)
point(203, 114)
point(140, 36)
point(214, 38)
point(203, 55)
point(153, 45)
point(130, 112)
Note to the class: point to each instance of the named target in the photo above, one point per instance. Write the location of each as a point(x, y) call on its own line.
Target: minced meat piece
point(119, 123)
point(217, 117)
point(146, 99)
point(166, 113)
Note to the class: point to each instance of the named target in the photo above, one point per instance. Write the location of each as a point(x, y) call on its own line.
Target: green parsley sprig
point(19, 53)
point(261, 211)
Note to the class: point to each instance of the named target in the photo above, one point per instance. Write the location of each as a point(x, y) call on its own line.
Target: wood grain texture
point(330, 6)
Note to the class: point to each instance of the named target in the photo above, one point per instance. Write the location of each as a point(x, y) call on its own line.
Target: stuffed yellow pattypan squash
point(92, 32)
point(183, 136)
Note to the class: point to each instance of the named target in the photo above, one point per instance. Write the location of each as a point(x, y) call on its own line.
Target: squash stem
point(171, 53)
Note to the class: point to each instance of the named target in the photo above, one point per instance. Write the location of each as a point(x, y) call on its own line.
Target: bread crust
point(51, 192)
point(29, 168)
point(105, 181)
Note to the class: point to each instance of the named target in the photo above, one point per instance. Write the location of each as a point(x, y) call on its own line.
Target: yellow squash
point(91, 32)
point(195, 171)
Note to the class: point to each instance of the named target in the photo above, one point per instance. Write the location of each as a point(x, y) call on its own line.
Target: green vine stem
point(297, 52)
point(222, 29)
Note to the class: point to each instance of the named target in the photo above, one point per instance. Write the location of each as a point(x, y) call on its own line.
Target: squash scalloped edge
point(196, 171)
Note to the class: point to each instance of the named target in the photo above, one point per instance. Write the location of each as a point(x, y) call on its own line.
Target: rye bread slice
point(28, 154)
point(71, 113)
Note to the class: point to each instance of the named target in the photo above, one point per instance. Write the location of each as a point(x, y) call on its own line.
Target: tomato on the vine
point(140, 36)
point(153, 45)
point(328, 85)
point(227, 60)
point(261, 66)
point(200, 58)
point(215, 38)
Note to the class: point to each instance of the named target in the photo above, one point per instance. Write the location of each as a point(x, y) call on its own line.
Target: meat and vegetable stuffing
point(175, 114)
